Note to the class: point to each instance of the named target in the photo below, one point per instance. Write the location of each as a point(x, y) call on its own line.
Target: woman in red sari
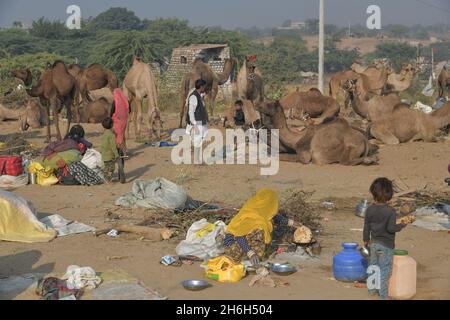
point(120, 111)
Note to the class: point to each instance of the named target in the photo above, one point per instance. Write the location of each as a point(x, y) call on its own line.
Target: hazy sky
point(237, 13)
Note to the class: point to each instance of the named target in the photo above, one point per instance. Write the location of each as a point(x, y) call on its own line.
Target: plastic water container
point(402, 284)
point(349, 265)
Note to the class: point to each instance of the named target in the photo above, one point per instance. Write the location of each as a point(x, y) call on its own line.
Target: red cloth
point(120, 116)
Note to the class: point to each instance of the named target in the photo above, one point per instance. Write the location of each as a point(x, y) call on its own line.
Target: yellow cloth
point(18, 221)
point(223, 269)
point(257, 213)
point(45, 175)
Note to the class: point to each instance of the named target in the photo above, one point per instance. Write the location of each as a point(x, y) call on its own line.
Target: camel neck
point(287, 137)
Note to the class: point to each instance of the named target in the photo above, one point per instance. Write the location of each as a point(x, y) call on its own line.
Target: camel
point(312, 103)
point(402, 81)
point(95, 111)
point(139, 83)
point(32, 116)
point(249, 82)
point(338, 80)
point(376, 108)
point(443, 82)
point(334, 141)
point(406, 124)
point(250, 114)
point(10, 114)
point(201, 70)
point(93, 77)
point(56, 88)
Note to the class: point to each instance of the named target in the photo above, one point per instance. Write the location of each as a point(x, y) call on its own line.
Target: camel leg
point(138, 119)
point(212, 103)
point(68, 104)
point(384, 135)
point(54, 106)
point(183, 108)
point(47, 114)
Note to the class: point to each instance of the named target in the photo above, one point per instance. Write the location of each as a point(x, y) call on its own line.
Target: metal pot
point(32, 178)
point(365, 252)
point(361, 208)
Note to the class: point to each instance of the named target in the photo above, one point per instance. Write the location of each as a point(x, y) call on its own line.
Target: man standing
point(197, 119)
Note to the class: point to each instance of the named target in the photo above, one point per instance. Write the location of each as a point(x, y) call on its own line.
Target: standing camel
point(56, 88)
point(443, 81)
point(201, 70)
point(249, 82)
point(139, 83)
point(92, 78)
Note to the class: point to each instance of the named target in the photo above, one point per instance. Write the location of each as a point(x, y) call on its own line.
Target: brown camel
point(401, 81)
point(406, 125)
point(56, 88)
point(376, 108)
point(335, 141)
point(139, 83)
point(92, 78)
point(95, 111)
point(10, 114)
point(250, 114)
point(443, 82)
point(201, 70)
point(33, 116)
point(312, 103)
point(338, 80)
point(249, 82)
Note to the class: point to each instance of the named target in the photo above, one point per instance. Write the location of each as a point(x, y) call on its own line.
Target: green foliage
point(442, 51)
point(398, 52)
point(16, 42)
point(35, 62)
point(47, 29)
point(116, 19)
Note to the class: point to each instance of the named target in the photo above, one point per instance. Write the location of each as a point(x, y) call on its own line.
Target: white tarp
point(65, 227)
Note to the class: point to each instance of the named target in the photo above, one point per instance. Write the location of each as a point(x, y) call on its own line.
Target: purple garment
point(86, 143)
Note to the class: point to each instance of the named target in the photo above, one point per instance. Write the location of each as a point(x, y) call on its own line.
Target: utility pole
point(321, 44)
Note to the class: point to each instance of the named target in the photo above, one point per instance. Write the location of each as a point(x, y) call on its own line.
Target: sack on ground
point(203, 240)
point(44, 175)
point(18, 220)
point(223, 269)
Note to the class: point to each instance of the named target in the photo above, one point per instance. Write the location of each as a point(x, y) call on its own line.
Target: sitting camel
point(401, 81)
point(95, 111)
point(405, 124)
point(376, 108)
point(443, 82)
point(299, 105)
point(334, 141)
point(33, 116)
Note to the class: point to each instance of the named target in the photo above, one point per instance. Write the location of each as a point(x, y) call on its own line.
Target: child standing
point(379, 232)
point(109, 149)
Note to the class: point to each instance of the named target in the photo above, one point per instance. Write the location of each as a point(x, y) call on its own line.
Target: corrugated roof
point(204, 46)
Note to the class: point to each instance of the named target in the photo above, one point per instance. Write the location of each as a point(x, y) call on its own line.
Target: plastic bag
point(203, 240)
point(44, 175)
point(223, 269)
point(11, 182)
point(93, 160)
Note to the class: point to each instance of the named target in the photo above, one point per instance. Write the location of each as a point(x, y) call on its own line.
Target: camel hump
point(315, 90)
point(400, 106)
point(57, 62)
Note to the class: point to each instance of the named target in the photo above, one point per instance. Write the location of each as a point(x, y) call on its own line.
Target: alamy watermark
point(374, 20)
point(74, 20)
point(373, 280)
point(238, 147)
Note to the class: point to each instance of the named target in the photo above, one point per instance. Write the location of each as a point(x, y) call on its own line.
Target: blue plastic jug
point(349, 265)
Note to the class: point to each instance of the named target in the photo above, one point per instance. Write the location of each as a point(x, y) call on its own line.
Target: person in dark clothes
point(77, 133)
point(239, 116)
point(379, 232)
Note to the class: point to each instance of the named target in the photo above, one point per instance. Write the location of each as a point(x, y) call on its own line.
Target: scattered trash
point(81, 278)
point(169, 260)
point(52, 288)
point(328, 205)
point(12, 182)
point(422, 107)
point(113, 233)
point(154, 234)
point(116, 258)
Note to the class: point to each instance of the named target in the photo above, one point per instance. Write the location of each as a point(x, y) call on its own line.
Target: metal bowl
point(283, 269)
point(195, 285)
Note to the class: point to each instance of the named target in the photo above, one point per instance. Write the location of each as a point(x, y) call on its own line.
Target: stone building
point(183, 57)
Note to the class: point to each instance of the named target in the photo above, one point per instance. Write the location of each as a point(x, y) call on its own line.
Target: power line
point(433, 6)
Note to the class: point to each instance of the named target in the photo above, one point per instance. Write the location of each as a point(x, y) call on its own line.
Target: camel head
point(268, 108)
point(24, 75)
point(31, 116)
point(407, 68)
point(349, 85)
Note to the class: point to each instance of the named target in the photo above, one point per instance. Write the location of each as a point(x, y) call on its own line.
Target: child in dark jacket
point(379, 233)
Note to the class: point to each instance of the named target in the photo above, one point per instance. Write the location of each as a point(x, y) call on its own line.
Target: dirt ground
point(411, 166)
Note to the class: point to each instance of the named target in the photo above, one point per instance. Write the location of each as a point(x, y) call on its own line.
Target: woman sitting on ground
point(77, 133)
point(250, 231)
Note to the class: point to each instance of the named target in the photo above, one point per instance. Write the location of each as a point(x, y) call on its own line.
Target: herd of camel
point(372, 93)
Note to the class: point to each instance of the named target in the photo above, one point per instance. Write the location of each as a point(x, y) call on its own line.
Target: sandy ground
point(412, 166)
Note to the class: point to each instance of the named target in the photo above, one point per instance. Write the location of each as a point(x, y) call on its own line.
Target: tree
point(397, 52)
point(116, 19)
point(47, 29)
